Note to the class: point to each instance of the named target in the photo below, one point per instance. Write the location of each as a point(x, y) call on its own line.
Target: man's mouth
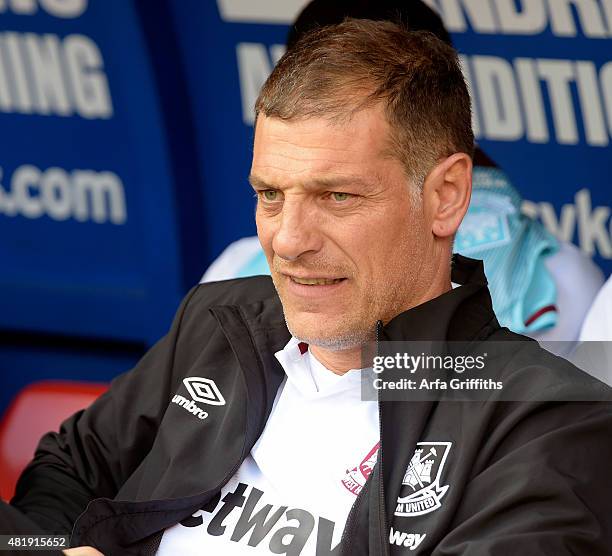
point(316, 281)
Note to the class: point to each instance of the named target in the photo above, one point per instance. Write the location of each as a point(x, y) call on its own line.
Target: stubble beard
point(352, 329)
point(336, 342)
point(347, 332)
point(358, 329)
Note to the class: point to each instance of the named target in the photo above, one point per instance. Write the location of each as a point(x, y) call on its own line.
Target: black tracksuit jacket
point(524, 478)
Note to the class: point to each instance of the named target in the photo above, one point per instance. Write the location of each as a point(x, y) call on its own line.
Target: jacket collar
point(463, 313)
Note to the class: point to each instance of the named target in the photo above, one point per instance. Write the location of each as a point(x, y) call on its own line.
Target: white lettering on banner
point(594, 225)
point(605, 77)
point(529, 86)
point(592, 231)
point(528, 17)
point(499, 101)
point(66, 9)
point(255, 63)
point(531, 20)
point(48, 86)
point(509, 99)
point(591, 104)
point(21, 92)
point(589, 15)
point(606, 6)
point(480, 15)
point(557, 74)
point(90, 87)
point(261, 11)
point(84, 195)
point(47, 75)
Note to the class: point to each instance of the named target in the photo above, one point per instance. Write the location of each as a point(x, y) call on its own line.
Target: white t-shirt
point(297, 486)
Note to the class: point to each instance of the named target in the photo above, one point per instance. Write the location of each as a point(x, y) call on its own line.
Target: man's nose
point(298, 231)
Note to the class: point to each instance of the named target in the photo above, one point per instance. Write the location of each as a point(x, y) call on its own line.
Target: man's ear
point(446, 191)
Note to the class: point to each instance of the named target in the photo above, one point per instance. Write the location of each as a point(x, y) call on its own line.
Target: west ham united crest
point(421, 490)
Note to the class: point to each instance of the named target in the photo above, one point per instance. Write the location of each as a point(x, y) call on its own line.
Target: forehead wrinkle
point(277, 137)
point(323, 167)
point(305, 159)
point(332, 152)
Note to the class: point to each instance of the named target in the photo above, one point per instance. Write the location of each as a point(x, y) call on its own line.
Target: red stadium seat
point(40, 407)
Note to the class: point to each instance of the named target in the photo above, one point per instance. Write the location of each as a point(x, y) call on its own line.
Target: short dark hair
point(337, 70)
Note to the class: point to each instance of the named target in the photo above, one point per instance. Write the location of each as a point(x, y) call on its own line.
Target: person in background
point(531, 274)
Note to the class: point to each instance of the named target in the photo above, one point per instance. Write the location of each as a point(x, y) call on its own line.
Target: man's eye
point(270, 195)
point(339, 197)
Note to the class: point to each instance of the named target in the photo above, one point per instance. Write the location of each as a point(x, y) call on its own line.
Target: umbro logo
point(203, 390)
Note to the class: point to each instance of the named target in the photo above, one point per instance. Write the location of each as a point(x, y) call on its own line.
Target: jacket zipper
point(381, 486)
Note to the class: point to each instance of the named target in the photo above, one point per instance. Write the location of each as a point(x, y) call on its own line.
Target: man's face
point(344, 238)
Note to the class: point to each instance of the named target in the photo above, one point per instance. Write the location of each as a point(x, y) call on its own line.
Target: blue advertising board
point(88, 217)
point(95, 237)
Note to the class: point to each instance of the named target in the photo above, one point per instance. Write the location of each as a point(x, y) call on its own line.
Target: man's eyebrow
point(331, 182)
point(335, 182)
point(258, 183)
